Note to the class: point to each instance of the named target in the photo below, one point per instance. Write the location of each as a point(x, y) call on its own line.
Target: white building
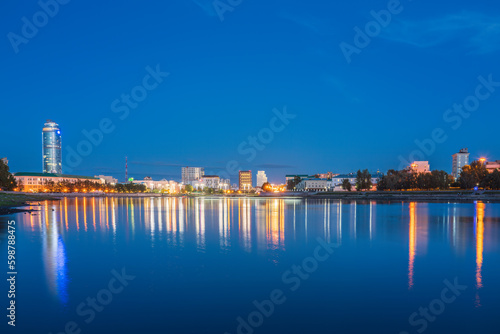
point(261, 178)
point(38, 181)
point(420, 167)
point(337, 180)
point(460, 160)
point(336, 183)
point(192, 174)
point(211, 181)
point(107, 179)
point(225, 184)
point(163, 185)
point(491, 166)
point(312, 185)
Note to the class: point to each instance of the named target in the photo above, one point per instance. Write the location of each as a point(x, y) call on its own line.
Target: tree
point(363, 180)
point(493, 180)
point(346, 185)
point(440, 180)
point(267, 187)
point(188, 188)
point(473, 175)
point(291, 184)
point(405, 180)
point(7, 181)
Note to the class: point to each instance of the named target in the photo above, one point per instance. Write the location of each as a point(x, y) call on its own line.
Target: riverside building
point(51, 148)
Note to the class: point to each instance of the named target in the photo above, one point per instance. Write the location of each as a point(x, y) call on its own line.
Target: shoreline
point(13, 202)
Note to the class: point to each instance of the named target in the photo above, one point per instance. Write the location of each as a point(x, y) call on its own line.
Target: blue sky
point(225, 78)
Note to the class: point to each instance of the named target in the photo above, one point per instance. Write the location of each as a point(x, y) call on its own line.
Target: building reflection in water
point(339, 222)
point(479, 221)
point(54, 255)
point(354, 220)
point(244, 223)
point(418, 236)
point(249, 224)
point(199, 217)
point(412, 243)
point(275, 224)
point(224, 222)
point(85, 213)
point(326, 220)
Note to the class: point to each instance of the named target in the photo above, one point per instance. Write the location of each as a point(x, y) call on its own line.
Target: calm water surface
point(202, 265)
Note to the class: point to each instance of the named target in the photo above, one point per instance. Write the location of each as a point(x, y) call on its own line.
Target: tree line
point(89, 186)
point(476, 175)
point(408, 180)
point(7, 181)
point(473, 175)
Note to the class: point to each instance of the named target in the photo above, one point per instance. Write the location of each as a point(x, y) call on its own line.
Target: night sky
point(207, 78)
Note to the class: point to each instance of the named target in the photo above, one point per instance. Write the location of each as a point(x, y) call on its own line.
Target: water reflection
point(479, 220)
point(413, 243)
point(260, 226)
point(54, 254)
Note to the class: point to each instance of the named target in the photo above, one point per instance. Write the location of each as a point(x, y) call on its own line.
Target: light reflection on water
point(265, 227)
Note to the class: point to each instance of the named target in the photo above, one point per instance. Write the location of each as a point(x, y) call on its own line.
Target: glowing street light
point(482, 160)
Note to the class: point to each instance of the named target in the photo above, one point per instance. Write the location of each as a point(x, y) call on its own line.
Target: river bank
point(11, 202)
point(459, 196)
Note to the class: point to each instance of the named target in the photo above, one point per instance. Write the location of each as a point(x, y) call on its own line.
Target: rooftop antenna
point(126, 169)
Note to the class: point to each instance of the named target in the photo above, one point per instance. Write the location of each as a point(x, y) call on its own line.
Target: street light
point(482, 160)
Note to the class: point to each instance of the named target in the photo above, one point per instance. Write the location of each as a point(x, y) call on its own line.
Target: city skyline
point(51, 148)
point(51, 154)
point(231, 166)
point(370, 113)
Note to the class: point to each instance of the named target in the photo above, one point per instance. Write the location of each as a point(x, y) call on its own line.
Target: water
point(197, 265)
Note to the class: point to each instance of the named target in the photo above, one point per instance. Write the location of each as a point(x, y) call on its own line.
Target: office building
point(107, 179)
point(261, 178)
point(36, 182)
point(190, 174)
point(210, 181)
point(337, 180)
point(171, 187)
point(51, 148)
point(491, 166)
point(328, 175)
point(460, 160)
point(245, 180)
point(312, 184)
point(420, 167)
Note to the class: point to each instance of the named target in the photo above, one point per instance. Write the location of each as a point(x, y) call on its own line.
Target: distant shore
point(11, 202)
point(14, 202)
point(465, 195)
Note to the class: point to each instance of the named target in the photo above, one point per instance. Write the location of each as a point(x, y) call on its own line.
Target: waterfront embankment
point(459, 196)
point(11, 202)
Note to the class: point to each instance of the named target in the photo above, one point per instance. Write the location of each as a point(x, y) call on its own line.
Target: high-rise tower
point(460, 159)
point(51, 148)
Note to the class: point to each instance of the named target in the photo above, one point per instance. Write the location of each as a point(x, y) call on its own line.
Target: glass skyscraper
point(51, 150)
